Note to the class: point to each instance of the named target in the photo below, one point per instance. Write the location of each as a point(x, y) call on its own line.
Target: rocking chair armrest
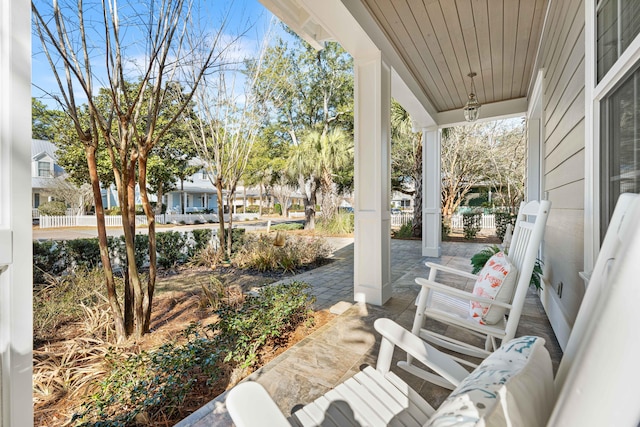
point(446, 269)
point(250, 405)
point(439, 287)
point(395, 335)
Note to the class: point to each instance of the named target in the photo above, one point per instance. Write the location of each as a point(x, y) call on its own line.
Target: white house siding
point(562, 59)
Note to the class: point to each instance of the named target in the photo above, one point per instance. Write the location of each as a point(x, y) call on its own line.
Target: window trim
point(595, 92)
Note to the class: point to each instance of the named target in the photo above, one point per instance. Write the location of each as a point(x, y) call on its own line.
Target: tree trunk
point(147, 301)
point(159, 195)
point(116, 309)
point(221, 235)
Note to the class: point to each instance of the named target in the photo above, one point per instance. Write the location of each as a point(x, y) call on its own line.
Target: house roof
point(41, 147)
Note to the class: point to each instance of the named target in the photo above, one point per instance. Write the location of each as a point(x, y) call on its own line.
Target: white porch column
point(16, 326)
point(372, 181)
point(431, 181)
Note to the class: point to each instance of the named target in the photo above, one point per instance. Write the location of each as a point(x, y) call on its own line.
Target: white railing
point(116, 220)
point(90, 221)
point(488, 222)
point(398, 220)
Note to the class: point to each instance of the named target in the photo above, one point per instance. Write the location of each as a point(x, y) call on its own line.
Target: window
point(618, 23)
point(620, 144)
point(36, 200)
point(44, 169)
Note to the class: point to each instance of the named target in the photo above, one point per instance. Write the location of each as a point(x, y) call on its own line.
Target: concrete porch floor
point(337, 351)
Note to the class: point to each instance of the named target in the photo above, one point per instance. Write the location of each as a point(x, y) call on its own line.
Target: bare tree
point(224, 128)
point(465, 161)
point(77, 198)
point(108, 44)
point(282, 189)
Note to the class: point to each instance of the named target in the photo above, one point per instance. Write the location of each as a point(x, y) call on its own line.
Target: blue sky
point(243, 14)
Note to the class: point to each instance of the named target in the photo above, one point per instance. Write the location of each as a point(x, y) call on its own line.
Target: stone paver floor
point(336, 351)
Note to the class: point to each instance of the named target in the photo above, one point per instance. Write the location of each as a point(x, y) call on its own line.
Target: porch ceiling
point(442, 41)
point(438, 43)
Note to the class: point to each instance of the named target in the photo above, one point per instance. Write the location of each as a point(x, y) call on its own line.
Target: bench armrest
point(250, 405)
point(446, 269)
point(395, 335)
point(439, 287)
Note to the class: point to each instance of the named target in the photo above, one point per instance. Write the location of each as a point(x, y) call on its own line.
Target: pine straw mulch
point(68, 366)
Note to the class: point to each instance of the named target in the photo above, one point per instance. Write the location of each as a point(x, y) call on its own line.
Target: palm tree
point(406, 158)
point(315, 161)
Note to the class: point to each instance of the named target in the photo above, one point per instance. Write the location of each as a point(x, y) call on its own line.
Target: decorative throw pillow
point(495, 281)
point(511, 387)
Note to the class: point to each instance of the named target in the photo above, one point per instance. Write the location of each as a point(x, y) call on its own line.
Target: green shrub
point(340, 223)
point(237, 238)
point(259, 253)
point(270, 315)
point(54, 208)
point(472, 224)
point(117, 249)
point(171, 248)
point(83, 252)
point(47, 259)
point(201, 238)
point(502, 219)
point(114, 211)
point(296, 208)
point(287, 226)
point(446, 225)
point(404, 232)
point(278, 208)
point(153, 383)
point(252, 209)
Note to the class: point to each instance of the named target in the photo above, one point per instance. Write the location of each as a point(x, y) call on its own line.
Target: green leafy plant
point(270, 315)
point(47, 260)
point(479, 259)
point(502, 219)
point(144, 386)
point(201, 238)
point(55, 208)
point(404, 232)
point(472, 224)
point(171, 248)
point(83, 252)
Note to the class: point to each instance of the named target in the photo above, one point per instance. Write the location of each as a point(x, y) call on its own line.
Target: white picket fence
point(488, 221)
point(90, 221)
point(398, 220)
point(116, 220)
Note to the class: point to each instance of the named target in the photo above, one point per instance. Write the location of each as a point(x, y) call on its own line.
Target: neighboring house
point(44, 170)
point(194, 194)
point(401, 201)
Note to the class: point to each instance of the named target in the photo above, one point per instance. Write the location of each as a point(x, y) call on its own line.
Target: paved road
point(68, 233)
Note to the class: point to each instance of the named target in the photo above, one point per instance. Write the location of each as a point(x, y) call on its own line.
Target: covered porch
point(339, 349)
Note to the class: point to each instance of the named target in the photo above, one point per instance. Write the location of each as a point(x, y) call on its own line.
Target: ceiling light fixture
point(472, 108)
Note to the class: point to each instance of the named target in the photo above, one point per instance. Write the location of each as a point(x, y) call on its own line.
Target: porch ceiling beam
point(488, 112)
point(299, 20)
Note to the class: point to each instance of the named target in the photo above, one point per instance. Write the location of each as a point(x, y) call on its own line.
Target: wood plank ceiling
point(442, 41)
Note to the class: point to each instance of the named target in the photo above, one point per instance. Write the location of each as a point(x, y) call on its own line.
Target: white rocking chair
point(452, 306)
point(591, 388)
